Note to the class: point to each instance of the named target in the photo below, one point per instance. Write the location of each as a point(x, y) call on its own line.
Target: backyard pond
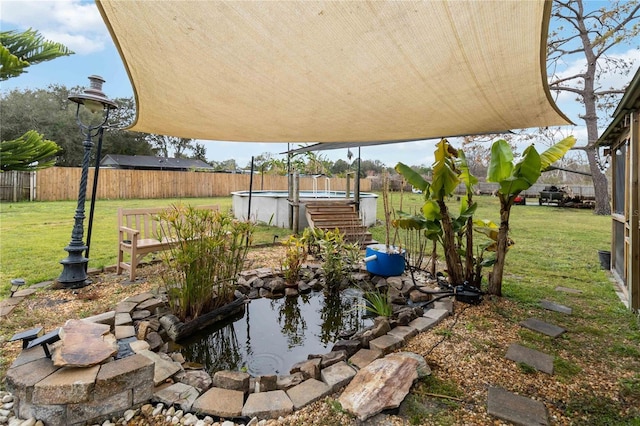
point(273, 334)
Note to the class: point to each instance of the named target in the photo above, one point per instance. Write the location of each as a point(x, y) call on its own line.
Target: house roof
point(151, 162)
point(630, 101)
point(334, 71)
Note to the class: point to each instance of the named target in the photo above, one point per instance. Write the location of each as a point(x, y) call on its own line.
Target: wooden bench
point(139, 231)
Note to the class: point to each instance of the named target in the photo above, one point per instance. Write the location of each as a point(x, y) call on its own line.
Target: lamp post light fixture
point(74, 272)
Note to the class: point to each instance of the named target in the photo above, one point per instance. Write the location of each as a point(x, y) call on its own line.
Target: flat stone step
point(386, 343)
point(568, 290)
point(556, 307)
point(364, 357)
point(267, 405)
point(337, 375)
point(436, 314)
point(307, 392)
point(403, 332)
point(536, 359)
point(220, 402)
point(542, 327)
point(423, 324)
point(515, 408)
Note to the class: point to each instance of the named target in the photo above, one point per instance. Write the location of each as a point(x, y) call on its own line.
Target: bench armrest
point(131, 231)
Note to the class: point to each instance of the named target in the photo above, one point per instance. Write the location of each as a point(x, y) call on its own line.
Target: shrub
point(202, 267)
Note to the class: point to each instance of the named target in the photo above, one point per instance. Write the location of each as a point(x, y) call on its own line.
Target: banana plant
point(514, 178)
point(453, 233)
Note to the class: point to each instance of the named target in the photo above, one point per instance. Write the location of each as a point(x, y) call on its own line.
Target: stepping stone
point(126, 307)
point(139, 297)
point(123, 318)
point(307, 392)
point(540, 361)
point(267, 405)
point(552, 306)
point(423, 324)
point(220, 402)
point(150, 304)
point(124, 331)
point(108, 318)
point(24, 293)
point(337, 375)
point(515, 408)
point(178, 394)
point(443, 304)
point(568, 290)
point(542, 327)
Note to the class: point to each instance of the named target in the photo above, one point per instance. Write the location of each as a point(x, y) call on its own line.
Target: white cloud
point(76, 24)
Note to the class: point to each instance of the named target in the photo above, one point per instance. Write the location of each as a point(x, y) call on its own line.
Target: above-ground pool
point(272, 207)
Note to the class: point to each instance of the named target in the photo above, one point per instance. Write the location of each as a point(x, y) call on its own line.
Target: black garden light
point(16, 283)
point(74, 272)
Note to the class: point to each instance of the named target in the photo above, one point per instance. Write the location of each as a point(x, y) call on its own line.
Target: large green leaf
point(525, 173)
point(431, 210)
point(445, 178)
point(556, 152)
point(414, 178)
point(501, 162)
point(408, 221)
point(466, 177)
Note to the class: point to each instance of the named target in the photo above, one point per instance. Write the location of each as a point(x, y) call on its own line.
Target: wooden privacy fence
point(17, 186)
point(61, 183)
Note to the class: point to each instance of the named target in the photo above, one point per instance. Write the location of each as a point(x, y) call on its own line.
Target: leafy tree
point(455, 233)
point(29, 152)
point(49, 112)
point(592, 35)
point(19, 50)
point(340, 167)
point(178, 147)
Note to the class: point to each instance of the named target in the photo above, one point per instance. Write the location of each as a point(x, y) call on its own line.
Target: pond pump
point(467, 293)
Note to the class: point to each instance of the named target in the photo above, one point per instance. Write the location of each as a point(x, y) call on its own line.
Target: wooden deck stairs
point(329, 215)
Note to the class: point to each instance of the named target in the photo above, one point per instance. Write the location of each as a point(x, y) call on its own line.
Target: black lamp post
point(74, 272)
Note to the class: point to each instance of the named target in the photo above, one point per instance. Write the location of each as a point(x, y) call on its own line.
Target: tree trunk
point(451, 255)
point(600, 184)
point(495, 277)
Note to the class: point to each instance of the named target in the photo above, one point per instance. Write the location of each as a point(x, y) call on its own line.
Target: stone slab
point(29, 355)
point(122, 374)
point(568, 290)
point(267, 405)
point(178, 394)
point(139, 345)
point(108, 405)
point(83, 344)
point(517, 409)
point(364, 357)
point(104, 318)
point(403, 332)
point(307, 392)
point(21, 379)
point(444, 304)
point(423, 323)
point(542, 327)
point(163, 369)
point(436, 314)
point(6, 310)
point(66, 386)
point(123, 318)
point(24, 293)
point(139, 298)
point(234, 380)
point(337, 375)
point(150, 304)
point(124, 331)
point(556, 307)
point(126, 307)
point(386, 343)
point(12, 301)
point(220, 402)
point(539, 360)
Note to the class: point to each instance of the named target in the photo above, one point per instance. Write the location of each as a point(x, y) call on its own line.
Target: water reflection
point(274, 334)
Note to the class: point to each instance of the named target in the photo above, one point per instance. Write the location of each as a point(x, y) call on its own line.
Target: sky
point(78, 25)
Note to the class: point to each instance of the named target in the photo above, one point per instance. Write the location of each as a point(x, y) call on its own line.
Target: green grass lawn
point(33, 235)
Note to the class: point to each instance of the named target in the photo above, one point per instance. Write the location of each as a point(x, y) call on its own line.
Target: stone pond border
point(78, 396)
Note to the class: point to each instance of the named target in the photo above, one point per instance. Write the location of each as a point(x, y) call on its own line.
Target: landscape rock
point(381, 385)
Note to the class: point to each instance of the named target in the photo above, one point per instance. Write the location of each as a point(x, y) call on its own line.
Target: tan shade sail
point(329, 71)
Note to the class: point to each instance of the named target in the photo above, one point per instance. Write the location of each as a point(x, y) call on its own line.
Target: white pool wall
point(272, 207)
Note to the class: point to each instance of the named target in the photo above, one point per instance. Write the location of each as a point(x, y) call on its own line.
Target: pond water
point(274, 334)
